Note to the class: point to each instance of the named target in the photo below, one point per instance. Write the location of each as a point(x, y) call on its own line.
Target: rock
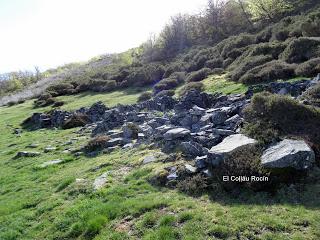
point(33, 145)
point(172, 176)
point(190, 168)
point(27, 154)
point(201, 162)
point(288, 154)
point(130, 130)
point(198, 111)
point(192, 149)
point(217, 153)
point(100, 181)
point(115, 142)
point(149, 159)
point(219, 117)
point(53, 162)
point(177, 133)
point(222, 132)
point(234, 122)
point(49, 149)
point(78, 154)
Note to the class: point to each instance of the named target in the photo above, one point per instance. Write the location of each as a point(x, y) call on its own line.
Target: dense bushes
point(191, 86)
point(145, 96)
point(270, 114)
point(308, 69)
point(243, 162)
point(61, 89)
point(312, 95)
point(97, 143)
point(76, 120)
point(166, 93)
point(100, 85)
point(198, 75)
point(174, 80)
point(301, 49)
point(268, 72)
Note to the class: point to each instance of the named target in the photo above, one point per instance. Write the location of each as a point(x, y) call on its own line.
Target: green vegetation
point(57, 202)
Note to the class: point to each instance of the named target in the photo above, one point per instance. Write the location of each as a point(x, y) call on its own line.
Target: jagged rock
point(234, 122)
point(288, 154)
point(222, 132)
point(27, 154)
point(53, 162)
point(218, 117)
point(96, 111)
point(201, 162)
point(33, 145)
point(218, 153)
point(192, 149)
point(130, 131)
point(198, 111)
point(177, 133)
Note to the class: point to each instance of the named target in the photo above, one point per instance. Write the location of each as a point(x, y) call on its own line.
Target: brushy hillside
point(284, 47)
point(58, 201)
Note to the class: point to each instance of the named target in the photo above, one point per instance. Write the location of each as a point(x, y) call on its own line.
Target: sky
point(50, 33)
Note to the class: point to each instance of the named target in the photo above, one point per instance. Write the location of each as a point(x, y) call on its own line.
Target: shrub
point(283, 115)
point(311, 27)
point(312, 95)
point(44, 103)
point(198, 75)
point(217, 71)
point(178, 66)
point(247, 65)
point(214, 63)
point(242, 162)
point(239, 41)
point(165, 84)
point(11, 103)
point(97, 143)
point(179, 76)
point(268, 72)
point(100, 85)
point(145, 96)
point(166, 93)
point(301, 49)
point(264, 36)
point(194, 185)
point(61, 89)
point(308, 69)
point(191, 86)
point(58, 104)
point(76, 120)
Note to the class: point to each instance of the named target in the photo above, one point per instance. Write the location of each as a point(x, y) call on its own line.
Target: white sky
point(49, 33)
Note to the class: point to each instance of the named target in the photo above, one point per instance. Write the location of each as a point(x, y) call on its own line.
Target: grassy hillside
point(58, 201)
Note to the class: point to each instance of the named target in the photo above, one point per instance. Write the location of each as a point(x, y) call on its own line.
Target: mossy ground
point(52, 203)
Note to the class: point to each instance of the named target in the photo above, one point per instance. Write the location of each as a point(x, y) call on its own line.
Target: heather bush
point(145, 96)
point(309, 68)
point(198, 75)
point(191, 86)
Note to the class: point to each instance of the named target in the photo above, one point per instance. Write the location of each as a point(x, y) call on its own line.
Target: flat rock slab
point(227, 146)
point(27, 154)
point(288, 154)
point(176, 133)
point(100, 181)
point(49, 163)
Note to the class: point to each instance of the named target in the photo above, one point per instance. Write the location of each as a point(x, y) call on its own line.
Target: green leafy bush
point(165, 84)
point(61, 89)
point(271, 113)
point(191, 86)
point(100, 85)
point(268, 72)
point(145, 96)
point(312, 95)
point(166, 93)
point(301, 49)
point(308, 69)
point(198, 75)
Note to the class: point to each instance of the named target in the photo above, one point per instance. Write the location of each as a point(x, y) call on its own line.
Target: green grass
point(127, 96)
point(220, 83)
point(54, 203)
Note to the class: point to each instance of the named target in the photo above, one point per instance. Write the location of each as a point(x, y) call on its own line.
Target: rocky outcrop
point(288, 154)
point(217, 154)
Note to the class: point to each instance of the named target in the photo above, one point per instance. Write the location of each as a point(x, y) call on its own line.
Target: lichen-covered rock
point(177, 133)
point(231, 143)
point(288, 154)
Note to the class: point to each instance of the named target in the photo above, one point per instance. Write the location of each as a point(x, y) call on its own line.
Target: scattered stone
point(201, 162)
point(49, 163)
point(49, 149)
point(192, 149)
point(149, 159)
point(27, 154)
point(33, 145)
point(217, 153)
point(289, 154)
point(177, 133)
point(78, 154)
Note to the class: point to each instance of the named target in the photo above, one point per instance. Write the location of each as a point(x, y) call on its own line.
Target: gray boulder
point(234, 142)
point(27, 154)
point(192, 149)
point(288, 154)
point(176, 133)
